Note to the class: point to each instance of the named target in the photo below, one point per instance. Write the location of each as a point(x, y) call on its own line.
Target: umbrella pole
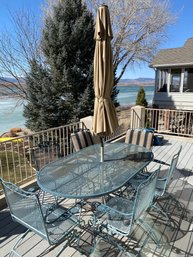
point(102, 149)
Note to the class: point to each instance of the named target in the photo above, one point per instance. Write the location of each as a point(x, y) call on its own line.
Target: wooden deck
point(176, 236)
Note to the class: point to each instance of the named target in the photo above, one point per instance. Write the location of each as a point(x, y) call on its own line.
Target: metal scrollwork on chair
point(44, 152)
point(53, 223)
point(118, 215)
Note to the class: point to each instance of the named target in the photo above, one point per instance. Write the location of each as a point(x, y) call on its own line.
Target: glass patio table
point(81, 175)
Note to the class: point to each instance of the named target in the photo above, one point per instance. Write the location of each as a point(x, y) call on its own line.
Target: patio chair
point(45, 152)
point(118, 215)
point(51, 222)
point(162, 182)
point(139, 137)
point(42, 153)
point(81, 139)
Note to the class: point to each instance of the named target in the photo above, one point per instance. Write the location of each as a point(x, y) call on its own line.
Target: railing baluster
point(176, 122)
point(16, 156)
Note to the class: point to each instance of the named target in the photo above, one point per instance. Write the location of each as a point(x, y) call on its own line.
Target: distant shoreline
point(135, 84)
point(12, 116)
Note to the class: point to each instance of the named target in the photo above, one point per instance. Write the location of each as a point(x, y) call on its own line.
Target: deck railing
point(176, 122)
point(16, 160)
point(17, 164)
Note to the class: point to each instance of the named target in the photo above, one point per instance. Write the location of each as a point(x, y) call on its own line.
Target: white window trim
point(182, 80)
point(169, 80)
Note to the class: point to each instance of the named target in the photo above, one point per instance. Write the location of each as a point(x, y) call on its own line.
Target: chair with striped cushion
point(81, 139)
point(139, 137)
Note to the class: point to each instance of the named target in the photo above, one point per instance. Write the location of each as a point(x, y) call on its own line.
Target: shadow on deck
point(176, 236)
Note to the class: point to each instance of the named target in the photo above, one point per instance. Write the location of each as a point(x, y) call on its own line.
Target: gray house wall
point(170, 59)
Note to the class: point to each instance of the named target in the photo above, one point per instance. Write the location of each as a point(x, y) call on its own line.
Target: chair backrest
point(122, 214)
point(25, 208)
point(171, 170)
point(173, 165)
point(81, 139)
point(45, 152)
point(145, 194)
point(139, 137)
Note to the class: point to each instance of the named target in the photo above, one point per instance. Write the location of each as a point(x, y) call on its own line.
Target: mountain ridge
point(137, 81)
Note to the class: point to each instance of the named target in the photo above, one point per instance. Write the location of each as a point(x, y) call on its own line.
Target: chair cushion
point(81, 139)
point(139, 137)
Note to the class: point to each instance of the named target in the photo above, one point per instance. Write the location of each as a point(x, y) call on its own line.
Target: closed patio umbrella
point(105, 120)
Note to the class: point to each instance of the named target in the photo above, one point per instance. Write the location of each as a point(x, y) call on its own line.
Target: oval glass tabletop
point(82, 175)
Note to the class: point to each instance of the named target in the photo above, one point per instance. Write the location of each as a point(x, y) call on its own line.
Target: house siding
point(182, 101)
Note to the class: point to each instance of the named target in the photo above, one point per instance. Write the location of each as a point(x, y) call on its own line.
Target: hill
point(137, 81)
point(11, 79)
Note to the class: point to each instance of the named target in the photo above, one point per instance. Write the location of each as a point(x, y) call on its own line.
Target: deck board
point(177, 239)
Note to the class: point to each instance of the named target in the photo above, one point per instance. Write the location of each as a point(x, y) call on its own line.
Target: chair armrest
point(161, 162)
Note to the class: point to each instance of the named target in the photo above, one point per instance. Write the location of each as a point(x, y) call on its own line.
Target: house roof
point(181, 56)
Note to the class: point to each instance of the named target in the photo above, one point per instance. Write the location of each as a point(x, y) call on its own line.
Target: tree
point(138, 31)
point(141, 100)
point(18, 46)
point(68, 46)
point(139, 26)
point(67, 89)
point(45, 108)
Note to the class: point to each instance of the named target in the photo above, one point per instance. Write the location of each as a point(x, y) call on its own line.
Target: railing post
point(88, 123)
point(137, 117)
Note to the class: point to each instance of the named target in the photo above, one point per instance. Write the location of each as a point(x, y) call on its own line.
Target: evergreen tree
point(68, 45)
point(141, 100)
point(62, 90)
point(45, 109)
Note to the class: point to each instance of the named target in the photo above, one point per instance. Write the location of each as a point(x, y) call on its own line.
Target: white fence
point(175, 122)
point(166, 121)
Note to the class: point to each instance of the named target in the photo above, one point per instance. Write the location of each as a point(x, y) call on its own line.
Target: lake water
point(12, 117)
point(127, 94)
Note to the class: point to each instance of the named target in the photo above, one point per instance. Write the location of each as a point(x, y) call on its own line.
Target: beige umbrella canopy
point(105, 120)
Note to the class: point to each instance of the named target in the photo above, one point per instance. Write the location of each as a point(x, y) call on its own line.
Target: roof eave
point(170, 65)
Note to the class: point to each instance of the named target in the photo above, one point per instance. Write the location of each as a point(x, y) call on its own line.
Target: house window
point(188, 80)
point(175, 80)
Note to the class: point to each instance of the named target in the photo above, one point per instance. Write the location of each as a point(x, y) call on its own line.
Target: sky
point(178, 33)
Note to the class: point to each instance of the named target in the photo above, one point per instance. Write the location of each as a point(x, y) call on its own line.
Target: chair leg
point(74, 236)
point(61, 249)
point(14, 249)
point(169, 220)
point(95, 242)
point(154, 206)
point(119, 247)
point(150, 231)
point(100, 235)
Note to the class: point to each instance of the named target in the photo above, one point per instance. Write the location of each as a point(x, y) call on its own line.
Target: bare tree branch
point(18, 47)
point(139, 27)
